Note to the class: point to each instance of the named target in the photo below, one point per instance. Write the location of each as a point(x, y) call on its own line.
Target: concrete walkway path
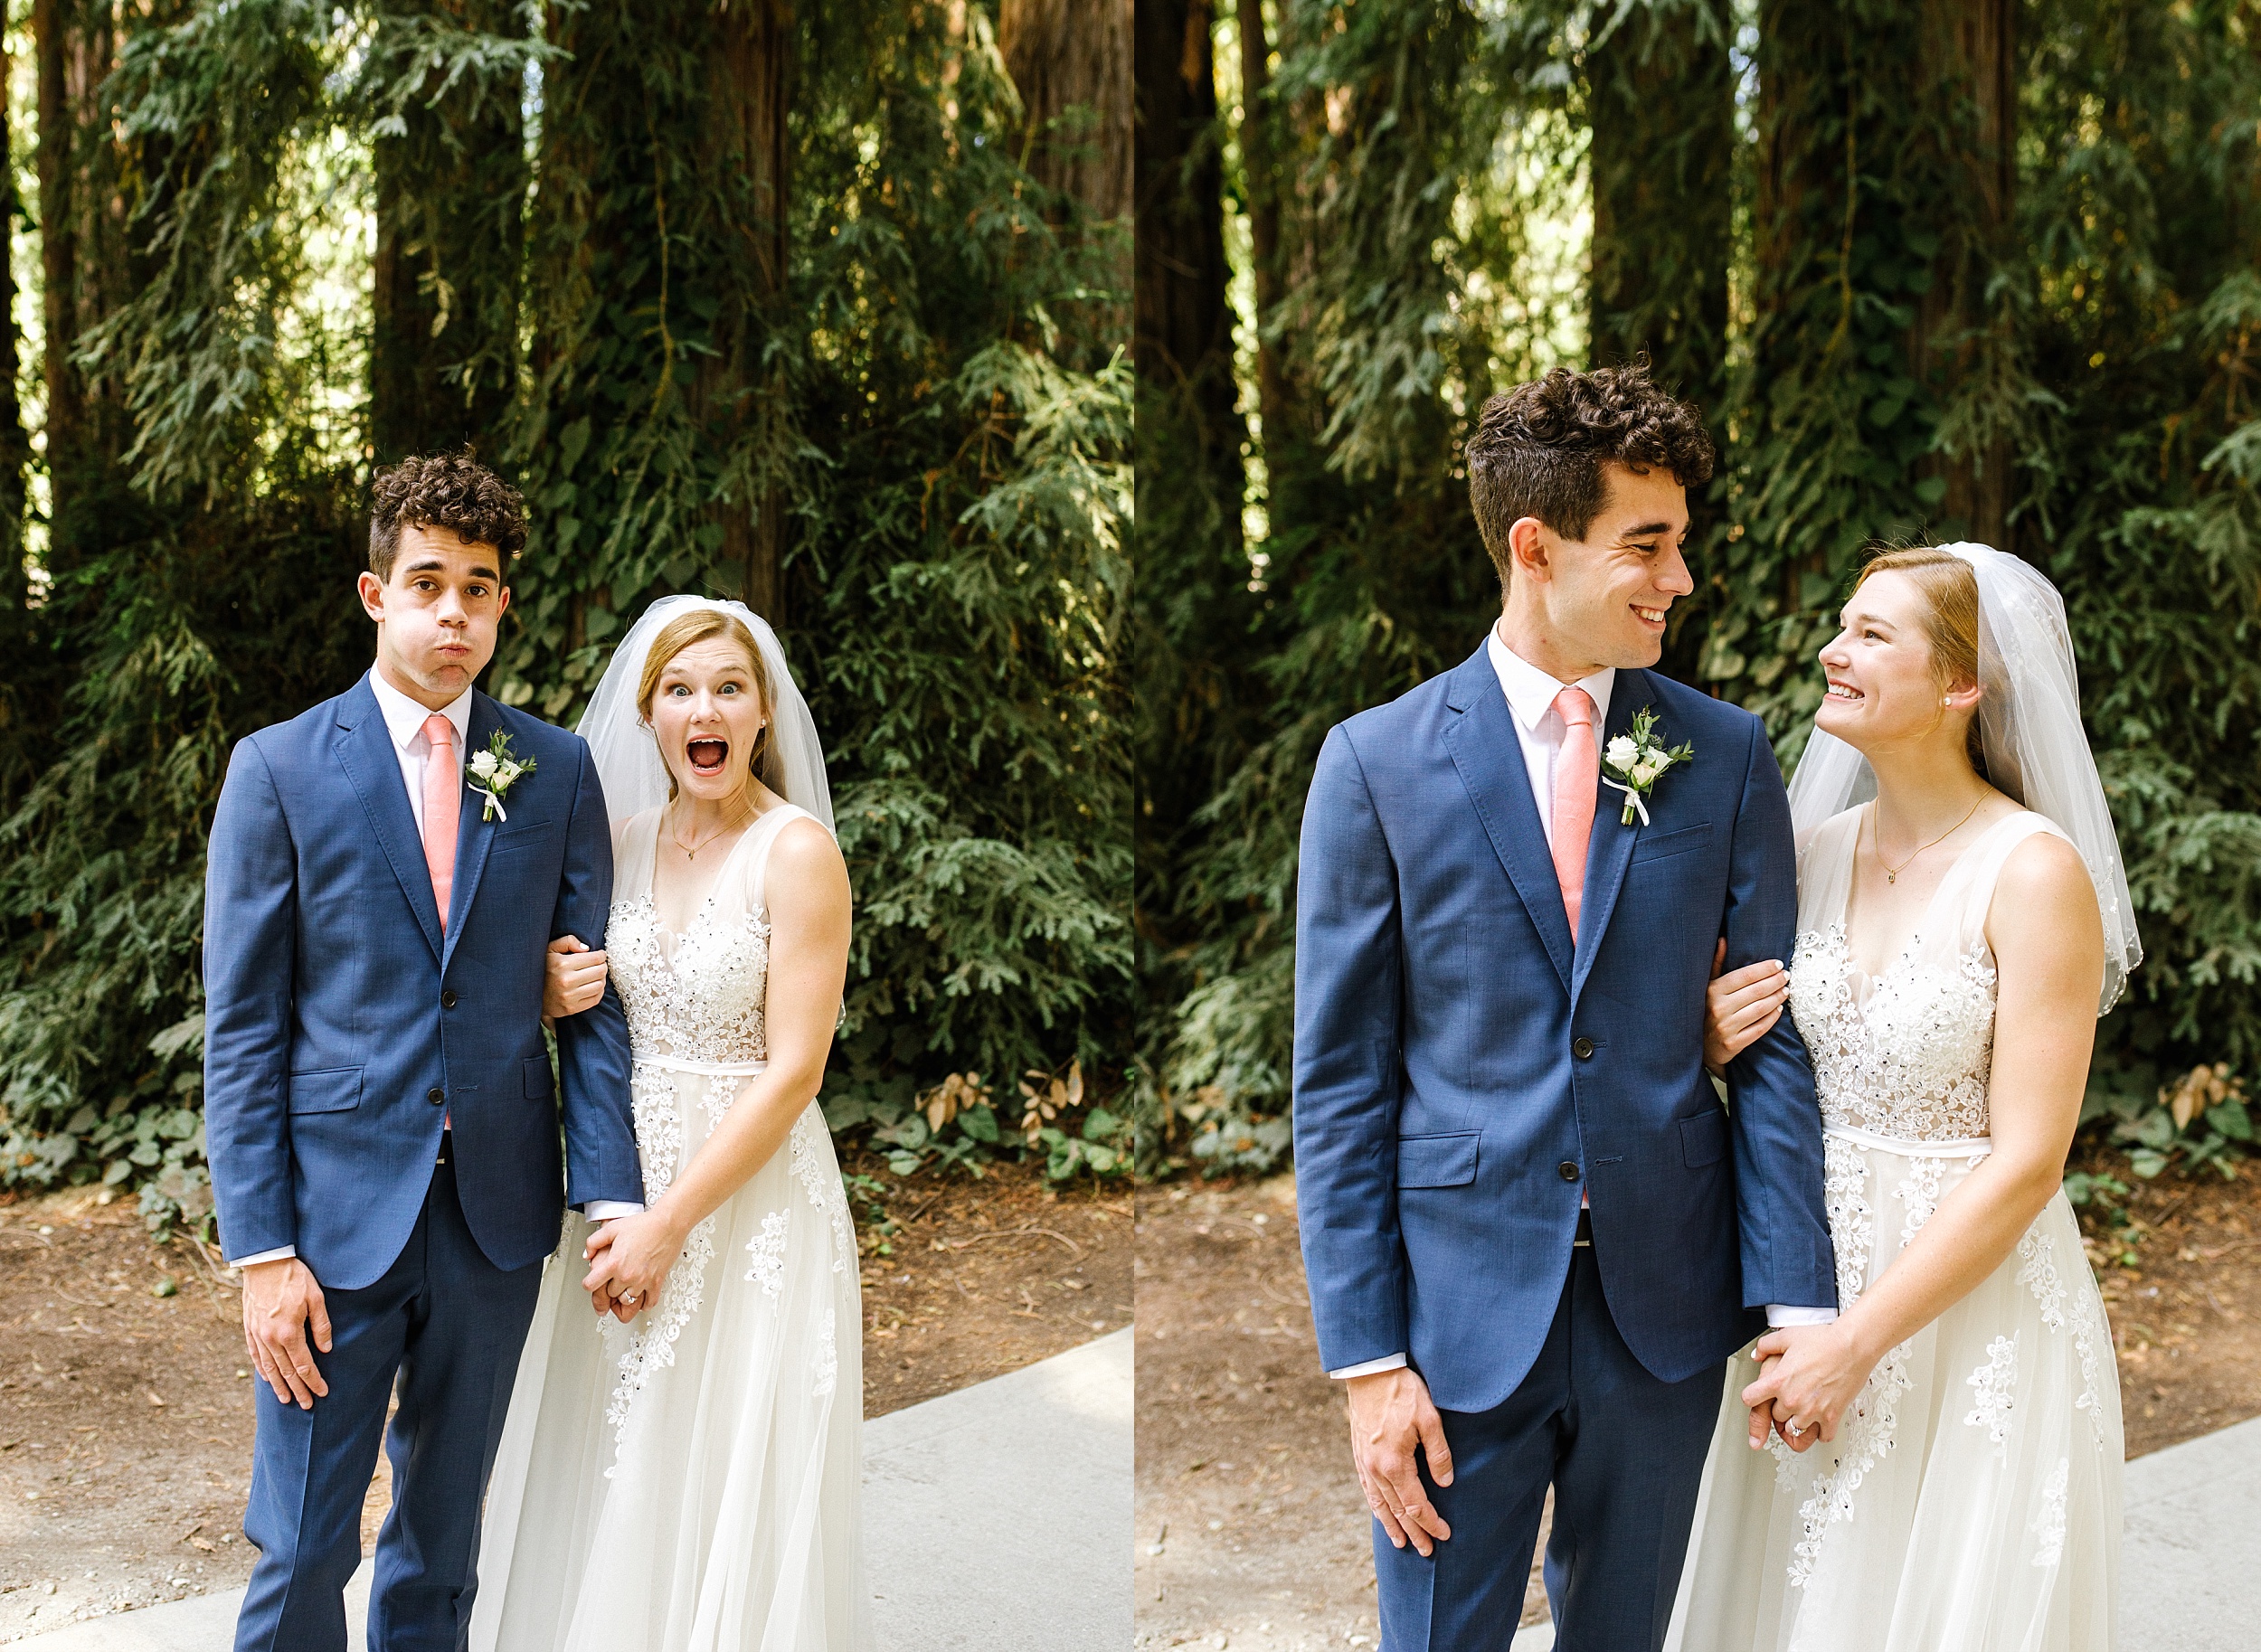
point(996, 1518)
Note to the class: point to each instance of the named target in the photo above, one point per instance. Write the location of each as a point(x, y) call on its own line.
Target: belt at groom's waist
point(1585, 1229)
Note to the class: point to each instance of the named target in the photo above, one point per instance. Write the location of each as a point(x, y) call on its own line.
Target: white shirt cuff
point(1393, 1362)
point(278, 1255)
point(609, 1210)
point(1781, 1318)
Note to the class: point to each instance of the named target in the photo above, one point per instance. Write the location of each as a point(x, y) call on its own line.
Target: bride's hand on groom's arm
point(1740, 1006)
point(1390, 1415)
point(573, 977)
point(1807, 1376)
point(628, 1258)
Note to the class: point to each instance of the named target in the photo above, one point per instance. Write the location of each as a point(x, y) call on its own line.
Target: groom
point(382, 1119)
point(1532, 1234)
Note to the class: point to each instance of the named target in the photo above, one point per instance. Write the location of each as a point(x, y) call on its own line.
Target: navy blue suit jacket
point(341, 1025)
point(1453, 1054)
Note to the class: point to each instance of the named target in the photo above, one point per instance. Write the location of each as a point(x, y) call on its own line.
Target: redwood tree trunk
point(54, 37)
point(1183, 337)
point(1071, 60)
point(1970, 60)
point(1661, 101)
point(444, 343)
point(752, 59)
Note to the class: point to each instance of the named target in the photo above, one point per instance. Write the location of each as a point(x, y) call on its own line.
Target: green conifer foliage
point(1991, 273)
point(835, 370)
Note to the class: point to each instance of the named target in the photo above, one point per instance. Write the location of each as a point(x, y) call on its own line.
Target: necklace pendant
point(1891, 877)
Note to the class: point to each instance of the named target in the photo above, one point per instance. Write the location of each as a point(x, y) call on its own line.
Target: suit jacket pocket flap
point(539, 1080)
point(1672, 843)
point(1436, 1161)
point(328, 1089)
point(1704, 1138)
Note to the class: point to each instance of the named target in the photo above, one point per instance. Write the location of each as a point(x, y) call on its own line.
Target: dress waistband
point(675, 1063)
point(1967, 1147)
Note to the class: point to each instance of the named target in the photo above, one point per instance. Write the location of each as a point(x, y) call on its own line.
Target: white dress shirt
point(404, 723)
point(1539, 730)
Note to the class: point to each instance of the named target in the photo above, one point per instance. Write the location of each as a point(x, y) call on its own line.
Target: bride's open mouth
point(1845, 690)
point(706, 756)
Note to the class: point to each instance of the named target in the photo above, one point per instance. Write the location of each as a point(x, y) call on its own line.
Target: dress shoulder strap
point(1825, 867)
point(635, 842)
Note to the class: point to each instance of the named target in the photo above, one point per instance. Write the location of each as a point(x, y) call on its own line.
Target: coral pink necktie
point(444, 785)
point(1578, 781)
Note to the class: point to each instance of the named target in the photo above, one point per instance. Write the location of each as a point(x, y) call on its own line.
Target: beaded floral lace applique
point(828, 1357)
point(1911, 1062)
point(1995, 1383)
point(768, 1250)
point(652, 1345)
point(2048, 1521)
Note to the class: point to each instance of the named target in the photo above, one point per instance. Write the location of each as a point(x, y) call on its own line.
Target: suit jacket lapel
point(474, 835)
point(1610, 848)
point(1490, 757)
point(364, 746)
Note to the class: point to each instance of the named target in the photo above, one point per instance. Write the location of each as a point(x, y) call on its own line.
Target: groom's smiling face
point(437, 612)
point(1602, 599)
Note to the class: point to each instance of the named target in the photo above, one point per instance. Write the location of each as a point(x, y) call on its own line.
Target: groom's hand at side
point(280, 1300)
point(1390, 1416)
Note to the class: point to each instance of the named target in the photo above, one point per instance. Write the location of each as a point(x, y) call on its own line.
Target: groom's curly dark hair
point(445, 490)
point(1539, 448)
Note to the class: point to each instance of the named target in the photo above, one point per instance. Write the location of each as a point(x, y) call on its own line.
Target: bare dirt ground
point(1250, 1531)
point(126, 1415)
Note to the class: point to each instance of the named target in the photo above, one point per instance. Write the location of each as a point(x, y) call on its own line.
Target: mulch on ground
point(1250, 1524)
point(125, 1401)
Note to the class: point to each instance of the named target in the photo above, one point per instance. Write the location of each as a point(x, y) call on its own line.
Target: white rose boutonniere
point(1637, 759)
point(495, 771)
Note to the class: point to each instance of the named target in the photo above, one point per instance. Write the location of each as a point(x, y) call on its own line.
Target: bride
point(1945, 1459)
point(682, 1476)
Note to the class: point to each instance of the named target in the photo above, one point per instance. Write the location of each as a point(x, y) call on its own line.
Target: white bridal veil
point(2030, 725)
point(627, 757)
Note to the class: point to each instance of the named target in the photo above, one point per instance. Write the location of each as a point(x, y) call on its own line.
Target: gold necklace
point(1892, 872)
point(691, 852)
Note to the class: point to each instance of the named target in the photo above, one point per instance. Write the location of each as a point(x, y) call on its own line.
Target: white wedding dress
point(1970, 1501)
point(689, 1482)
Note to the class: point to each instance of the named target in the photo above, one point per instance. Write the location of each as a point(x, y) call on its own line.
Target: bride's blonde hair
point(697, 625)
point(1951, 616)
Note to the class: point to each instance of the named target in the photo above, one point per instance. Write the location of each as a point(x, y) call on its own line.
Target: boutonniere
point(1637, 759)
point(495, 771)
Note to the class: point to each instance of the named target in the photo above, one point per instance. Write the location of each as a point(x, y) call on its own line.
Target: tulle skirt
point(1970, 1501)
point(690, 1483)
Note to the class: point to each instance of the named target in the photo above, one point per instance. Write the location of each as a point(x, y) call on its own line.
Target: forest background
point(819, 306)
point(1938, 268)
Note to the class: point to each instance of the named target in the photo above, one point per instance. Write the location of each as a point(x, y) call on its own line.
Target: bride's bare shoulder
point(2044, 900)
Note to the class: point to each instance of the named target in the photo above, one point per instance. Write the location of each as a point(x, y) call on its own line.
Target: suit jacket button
point(1567, 1171)
point(1582, 1048)
point(447, 997)
point(436, 1097)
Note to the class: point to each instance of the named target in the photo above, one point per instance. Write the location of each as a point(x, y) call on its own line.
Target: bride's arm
point(807, 894)
point(2048, 941)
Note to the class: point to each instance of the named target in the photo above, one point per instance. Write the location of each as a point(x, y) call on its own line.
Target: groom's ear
point(1527, 546)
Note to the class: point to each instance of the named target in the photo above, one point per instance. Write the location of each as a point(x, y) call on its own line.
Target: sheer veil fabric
point(627, 756)
point(2029, 726)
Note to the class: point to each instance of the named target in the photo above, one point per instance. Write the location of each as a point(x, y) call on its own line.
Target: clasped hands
point(628, 1258)
point(1807, 1376)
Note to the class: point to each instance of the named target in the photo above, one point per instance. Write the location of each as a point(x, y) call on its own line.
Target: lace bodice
point(698, 995)
point(1908, 1057)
